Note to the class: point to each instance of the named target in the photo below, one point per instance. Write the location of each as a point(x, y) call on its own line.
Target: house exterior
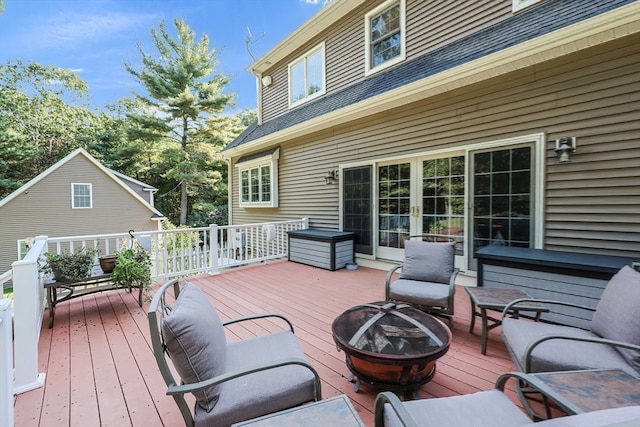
point(392, 118)
point(74, 197)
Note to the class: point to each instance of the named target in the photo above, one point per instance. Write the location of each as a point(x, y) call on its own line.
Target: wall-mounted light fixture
point(331, 177)
point(564, 147)
point(266, 81)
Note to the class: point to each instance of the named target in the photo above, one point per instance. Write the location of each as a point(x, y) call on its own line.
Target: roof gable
point(64, 161)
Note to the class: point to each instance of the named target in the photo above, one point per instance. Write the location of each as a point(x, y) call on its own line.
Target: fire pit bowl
point(390, 345)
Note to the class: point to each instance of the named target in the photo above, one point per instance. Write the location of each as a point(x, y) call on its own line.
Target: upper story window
point(521, 4)
point(81, 196)
point(259, 179)
point(385, 35)
point(306, 76)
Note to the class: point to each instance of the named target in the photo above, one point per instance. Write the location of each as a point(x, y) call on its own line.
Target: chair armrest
point(190, 388)
point(603, 341)
point(395, 404)
point(387, 280)
point(258, 316)
point(543, 301)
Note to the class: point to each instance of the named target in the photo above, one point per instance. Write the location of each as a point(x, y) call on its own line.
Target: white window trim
point(521, 4)
point(320, 48)
point(73, 201)
point(367, 39)
point(267, 160)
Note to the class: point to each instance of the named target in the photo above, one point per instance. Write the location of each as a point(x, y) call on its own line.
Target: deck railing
point(6, 364)
point(174, 253)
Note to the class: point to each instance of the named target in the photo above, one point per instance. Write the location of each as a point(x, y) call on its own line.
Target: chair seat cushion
point(485, 408)
point(196, 342)
point(617, 315)
point(262, 392)
point(420, 293)
point(557, 354)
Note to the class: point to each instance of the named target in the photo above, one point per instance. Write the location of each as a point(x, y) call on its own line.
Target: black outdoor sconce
point(564, 148)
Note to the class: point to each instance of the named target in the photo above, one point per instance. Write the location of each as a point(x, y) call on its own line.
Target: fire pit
point(390, 345)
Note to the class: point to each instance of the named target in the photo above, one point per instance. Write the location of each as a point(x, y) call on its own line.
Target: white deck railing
point(174, 253)
point(6, 364)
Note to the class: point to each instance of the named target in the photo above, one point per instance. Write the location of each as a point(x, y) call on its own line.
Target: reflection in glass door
point(443, 199)
point(502, 198)
point(394, 201)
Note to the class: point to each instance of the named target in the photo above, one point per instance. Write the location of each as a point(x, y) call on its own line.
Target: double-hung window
point(307, 77)
point(385, 35)
point(81, 197)
point(258, 178)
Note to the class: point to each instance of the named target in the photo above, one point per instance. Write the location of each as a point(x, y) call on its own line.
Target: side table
point(496, 299)
point(589, 390)
point(333, 412)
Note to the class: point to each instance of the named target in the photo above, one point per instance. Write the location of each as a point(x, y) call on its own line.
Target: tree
point(39, 123)
point(183, 92)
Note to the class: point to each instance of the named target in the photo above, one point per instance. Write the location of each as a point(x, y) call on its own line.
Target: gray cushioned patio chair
point(233, 381)
point(611, 342)
point(487, 409)
point(426, 278)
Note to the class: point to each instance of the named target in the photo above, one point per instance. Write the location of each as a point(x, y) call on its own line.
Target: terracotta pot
point(107, 263)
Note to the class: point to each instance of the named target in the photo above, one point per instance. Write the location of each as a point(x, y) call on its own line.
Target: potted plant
point(133, 269)
point(68, 266)
point(107, 262)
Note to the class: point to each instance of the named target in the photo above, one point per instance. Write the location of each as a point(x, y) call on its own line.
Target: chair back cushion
point(617, 315)
point(195, 340)
point(427, 261)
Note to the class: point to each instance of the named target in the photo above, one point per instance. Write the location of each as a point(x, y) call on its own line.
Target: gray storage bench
point(328, 249)
point(573, 277)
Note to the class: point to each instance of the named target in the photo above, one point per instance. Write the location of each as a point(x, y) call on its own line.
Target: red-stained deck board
point(101, 370)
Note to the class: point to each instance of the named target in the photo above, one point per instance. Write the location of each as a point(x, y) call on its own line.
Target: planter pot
point(107, 263)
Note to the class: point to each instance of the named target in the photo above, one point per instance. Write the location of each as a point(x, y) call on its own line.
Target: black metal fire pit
point(389, 345)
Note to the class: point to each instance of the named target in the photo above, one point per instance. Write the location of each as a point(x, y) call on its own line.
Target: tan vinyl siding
point(45, 209)
point(429, 25)
point(592, 204)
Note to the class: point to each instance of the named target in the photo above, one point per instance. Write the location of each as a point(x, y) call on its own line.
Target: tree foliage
point(39, 124)
point(180, 112)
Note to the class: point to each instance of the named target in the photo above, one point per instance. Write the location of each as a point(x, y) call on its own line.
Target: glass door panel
point(394, 208)
point(443, 199)
point(502, 198)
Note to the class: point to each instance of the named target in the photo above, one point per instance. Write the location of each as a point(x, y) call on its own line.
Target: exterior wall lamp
point(331, 177)
point(564, 147)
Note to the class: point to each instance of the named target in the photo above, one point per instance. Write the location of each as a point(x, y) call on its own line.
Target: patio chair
point(612, 340)
point(233, 381)
point(426, 278)
point(486, 409)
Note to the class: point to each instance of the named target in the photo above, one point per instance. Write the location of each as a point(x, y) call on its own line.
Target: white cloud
point(76, 70)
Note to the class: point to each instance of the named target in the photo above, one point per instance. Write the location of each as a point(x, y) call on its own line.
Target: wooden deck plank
point(101, 343)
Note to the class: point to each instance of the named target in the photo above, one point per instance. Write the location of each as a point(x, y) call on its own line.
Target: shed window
point(81, 196)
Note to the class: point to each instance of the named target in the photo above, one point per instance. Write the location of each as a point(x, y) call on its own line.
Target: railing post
point(213, 248)
point(28, 305)
point(305, 223)
point(6, 364)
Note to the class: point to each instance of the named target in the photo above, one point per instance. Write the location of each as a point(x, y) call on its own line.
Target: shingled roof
point(541, 19)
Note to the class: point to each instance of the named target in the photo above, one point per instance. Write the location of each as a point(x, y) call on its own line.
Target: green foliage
point(133, 269)
point(68, 266)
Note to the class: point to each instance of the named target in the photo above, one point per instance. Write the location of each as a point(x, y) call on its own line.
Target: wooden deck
point(100, 370)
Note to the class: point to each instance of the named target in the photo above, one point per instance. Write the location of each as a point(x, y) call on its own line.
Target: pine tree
point(183, 92)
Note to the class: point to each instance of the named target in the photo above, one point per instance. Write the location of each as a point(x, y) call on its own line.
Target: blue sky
point(94, 37)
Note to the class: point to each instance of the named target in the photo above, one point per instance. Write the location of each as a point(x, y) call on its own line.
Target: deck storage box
point(326, 249)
